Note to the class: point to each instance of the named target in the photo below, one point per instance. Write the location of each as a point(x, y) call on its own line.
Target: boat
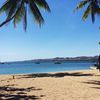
point(2, 63)
point(37, 62)
point(57, 62)
point(93, 67)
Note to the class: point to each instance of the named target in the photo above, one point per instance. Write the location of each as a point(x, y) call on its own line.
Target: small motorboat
point(57, 62)
point(2, 63)
point(37, 62)
point(93, 67)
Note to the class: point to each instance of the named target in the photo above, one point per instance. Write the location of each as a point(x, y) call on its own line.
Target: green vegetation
point(92, 8)
point(16, 10)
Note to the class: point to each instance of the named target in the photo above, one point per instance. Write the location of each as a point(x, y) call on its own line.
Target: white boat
point(93, 67)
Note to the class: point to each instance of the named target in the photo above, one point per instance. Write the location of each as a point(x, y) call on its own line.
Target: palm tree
point(93, 8)
point(16, 11)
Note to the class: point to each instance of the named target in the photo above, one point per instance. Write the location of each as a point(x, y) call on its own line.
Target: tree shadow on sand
point(17, 97)
point(95, 82)
point(56, 75)
point(12, 93)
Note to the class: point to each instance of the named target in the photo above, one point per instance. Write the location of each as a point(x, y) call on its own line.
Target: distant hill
point(81, 58)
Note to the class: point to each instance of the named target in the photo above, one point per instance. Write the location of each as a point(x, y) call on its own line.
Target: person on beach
point(13, 77)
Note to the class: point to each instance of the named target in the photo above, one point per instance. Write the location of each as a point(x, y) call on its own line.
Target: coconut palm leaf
point(86, 13)
point(25, 18)
point(93, 8)
point(16, 11)
point(19, 13)
point(6, 6)
point(81, 4)
point(12, 9)
point(36, 13)
point(42, 4)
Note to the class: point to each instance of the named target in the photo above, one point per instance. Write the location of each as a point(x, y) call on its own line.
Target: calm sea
point(31, 67)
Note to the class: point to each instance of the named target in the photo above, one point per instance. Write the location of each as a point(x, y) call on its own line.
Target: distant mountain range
point(61, 59)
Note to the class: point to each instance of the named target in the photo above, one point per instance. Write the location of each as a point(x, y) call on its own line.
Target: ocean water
point(31, 67)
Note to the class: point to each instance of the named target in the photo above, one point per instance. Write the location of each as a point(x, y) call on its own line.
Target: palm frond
point(16, 10)
point(81, 4)
point(94, 9)
point(92, 14)
point(98, 11)
point(36, 13)
point(6, 6)
point(12, 9)
point(19, 13)
point(96, 6)
point(6, 21)
point(42, 4)
point(25, 17)
point(86, 13)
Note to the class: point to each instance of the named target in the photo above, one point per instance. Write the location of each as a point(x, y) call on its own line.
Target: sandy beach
point(70, 85)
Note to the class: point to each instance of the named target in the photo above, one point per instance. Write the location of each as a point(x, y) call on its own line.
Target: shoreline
point(49, 72)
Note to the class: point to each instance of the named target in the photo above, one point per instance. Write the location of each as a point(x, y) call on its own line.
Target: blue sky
point(64, 34)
